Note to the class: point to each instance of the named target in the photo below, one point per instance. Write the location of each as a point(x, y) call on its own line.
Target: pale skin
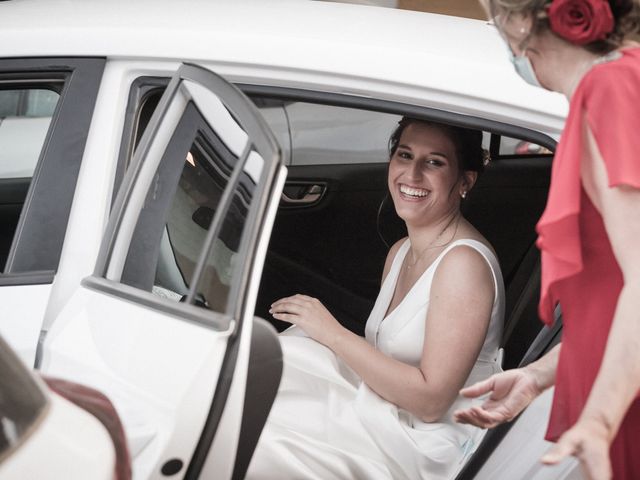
point(462, 291)
point(618, 380)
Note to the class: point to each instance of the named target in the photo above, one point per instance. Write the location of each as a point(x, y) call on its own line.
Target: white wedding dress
point(328, 424)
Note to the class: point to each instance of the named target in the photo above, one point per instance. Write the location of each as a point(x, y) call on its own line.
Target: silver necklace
point(431, 245)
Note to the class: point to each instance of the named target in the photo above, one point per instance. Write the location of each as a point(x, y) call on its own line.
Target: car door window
point(187, 241)
point(42, 141)
point(327, 134)
point(25, 116)
point(166, 248)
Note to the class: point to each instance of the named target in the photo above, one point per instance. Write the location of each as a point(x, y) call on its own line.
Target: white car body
point(69, 443)
point(46, 436)
point(125, 348)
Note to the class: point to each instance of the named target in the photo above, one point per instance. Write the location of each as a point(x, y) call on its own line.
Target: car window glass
point(181, 203)
point(25, 117)
point(222, 261)
point(326, 134)
point(21, 403)
point(274, 113)
point(515, 146)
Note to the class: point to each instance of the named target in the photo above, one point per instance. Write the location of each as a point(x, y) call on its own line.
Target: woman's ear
point(469, 178)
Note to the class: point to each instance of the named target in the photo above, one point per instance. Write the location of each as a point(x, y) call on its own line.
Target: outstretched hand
point(588, 441)
point(511, 392)
point(309, 314)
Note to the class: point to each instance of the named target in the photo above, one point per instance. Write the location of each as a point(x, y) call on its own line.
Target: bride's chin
point(410, 218)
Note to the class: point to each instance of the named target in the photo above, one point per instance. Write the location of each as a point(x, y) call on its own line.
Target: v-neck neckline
point(397, 271)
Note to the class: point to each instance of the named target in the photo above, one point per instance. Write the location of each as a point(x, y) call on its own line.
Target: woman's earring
point(464, 194)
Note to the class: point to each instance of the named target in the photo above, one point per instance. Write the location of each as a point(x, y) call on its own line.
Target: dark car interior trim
point(263, 377)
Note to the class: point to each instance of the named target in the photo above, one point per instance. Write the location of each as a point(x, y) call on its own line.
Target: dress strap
point(486, 253)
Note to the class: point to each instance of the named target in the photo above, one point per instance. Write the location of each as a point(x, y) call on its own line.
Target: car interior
point(336, 222)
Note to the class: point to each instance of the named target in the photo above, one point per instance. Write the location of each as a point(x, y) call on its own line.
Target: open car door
point(163, 326)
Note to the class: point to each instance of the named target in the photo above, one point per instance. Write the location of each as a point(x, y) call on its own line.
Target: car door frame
point(253, 247)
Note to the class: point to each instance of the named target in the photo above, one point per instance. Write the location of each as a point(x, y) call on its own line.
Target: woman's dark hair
point(626, 15)
point(467, 143)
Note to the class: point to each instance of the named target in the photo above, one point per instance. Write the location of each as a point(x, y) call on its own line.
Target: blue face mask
point(523, 67)
point(521, 63)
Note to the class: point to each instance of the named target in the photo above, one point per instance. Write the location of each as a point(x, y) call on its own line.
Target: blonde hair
point(626, 14)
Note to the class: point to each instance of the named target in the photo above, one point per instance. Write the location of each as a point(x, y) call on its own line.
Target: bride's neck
point(425, 236)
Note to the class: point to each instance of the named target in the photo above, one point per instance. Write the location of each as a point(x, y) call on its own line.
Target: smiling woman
point(380, 406)
point(440, 154)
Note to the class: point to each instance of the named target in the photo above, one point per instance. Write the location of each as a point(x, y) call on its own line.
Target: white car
point(168, 169)
point(44, 435)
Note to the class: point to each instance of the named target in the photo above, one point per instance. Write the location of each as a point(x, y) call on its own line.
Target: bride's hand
point(309, 314)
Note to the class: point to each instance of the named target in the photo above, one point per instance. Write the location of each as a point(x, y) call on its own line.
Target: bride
point(381, 406)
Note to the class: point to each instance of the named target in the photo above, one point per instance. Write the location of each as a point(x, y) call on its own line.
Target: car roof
point(451, 63)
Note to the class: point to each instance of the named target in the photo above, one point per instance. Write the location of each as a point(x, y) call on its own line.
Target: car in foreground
point(168, 169)
point(42, 434)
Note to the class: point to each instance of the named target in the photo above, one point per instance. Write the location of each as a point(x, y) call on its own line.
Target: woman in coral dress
point(589, 234)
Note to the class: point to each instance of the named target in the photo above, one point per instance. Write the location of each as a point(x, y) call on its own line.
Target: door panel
point(159, 372)
point(150, 328)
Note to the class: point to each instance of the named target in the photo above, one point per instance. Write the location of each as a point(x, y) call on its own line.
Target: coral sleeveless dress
point(326, 423)
point(579, 269)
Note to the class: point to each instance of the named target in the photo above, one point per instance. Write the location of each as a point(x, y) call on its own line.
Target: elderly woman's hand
point(589, 441)
point(309, 314)
point(511, 392)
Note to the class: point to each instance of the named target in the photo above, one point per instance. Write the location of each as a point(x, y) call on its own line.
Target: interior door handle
point(303, 194)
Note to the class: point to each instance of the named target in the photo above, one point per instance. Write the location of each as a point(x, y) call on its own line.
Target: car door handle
point(303, 194)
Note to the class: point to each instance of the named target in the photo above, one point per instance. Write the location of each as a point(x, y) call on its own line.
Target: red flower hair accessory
point(581, 21)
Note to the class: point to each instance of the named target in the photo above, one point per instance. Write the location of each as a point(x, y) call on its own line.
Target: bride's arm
point(460, 306)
